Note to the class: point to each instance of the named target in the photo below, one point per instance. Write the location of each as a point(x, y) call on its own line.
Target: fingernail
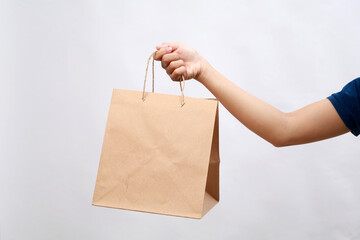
point(169, 49)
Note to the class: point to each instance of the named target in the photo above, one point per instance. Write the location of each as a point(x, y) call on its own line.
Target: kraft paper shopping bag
point(160, 154)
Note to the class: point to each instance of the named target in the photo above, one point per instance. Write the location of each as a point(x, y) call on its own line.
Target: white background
point(59, 61)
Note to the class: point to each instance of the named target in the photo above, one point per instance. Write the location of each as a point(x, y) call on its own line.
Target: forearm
point(258, 116)
point(312, 123)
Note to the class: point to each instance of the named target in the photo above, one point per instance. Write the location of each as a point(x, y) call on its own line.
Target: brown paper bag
point(159, 155)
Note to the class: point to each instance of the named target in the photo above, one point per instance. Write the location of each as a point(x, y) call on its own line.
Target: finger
point(174, 65)
point(177, 73)
point(158, 47)
point(160, 53)
point(167, 58)
point(174, 45)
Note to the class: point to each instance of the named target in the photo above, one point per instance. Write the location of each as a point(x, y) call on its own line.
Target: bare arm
point(312, 123)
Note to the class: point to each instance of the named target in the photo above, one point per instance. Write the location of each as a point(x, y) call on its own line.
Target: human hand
point(180, 60)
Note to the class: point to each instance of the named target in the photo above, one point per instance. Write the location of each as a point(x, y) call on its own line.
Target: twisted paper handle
point(182, 81)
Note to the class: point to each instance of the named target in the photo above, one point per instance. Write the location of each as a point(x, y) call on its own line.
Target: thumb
point(173, 45)
point(158, 47)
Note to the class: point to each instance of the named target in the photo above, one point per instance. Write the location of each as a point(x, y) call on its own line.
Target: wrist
point(204, 69)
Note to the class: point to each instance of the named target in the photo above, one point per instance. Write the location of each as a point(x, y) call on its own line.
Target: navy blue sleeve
point(347, 104)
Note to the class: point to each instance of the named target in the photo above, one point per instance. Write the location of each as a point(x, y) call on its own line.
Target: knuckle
point(181, 70)
point(172, 66)
point(174, 76)
point(166, 59)
point(158, 54)
point(168, 71)
point(178, 72)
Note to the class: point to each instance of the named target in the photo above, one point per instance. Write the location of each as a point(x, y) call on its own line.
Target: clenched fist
point(180, 60)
